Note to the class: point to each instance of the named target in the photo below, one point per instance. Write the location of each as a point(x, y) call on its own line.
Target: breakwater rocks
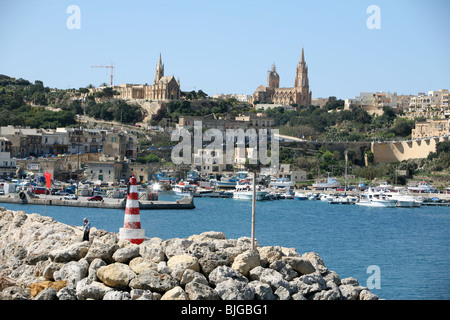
point(42, 259)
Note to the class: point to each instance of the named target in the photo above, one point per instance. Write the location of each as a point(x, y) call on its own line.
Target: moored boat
point(300, 196)
point(330, 183)
point(281, 183)
point(422, 187)
point(244, 191)
point(371, 198)
point(405, 200)
point(343, 200)
point(184, 189)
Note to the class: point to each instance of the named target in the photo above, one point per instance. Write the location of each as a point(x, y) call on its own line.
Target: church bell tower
point(301, 83)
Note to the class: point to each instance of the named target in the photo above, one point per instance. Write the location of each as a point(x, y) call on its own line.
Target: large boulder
point(153, 281)
point(299, 264)
point(176, 293)
point(212, 260)
point(268, 276)
point(88, 289)
point(102, 251)
point(246, 261)
point(270, 254)
point(179, 263)
point(116, 275)
point(73, 252)
point(152, 250)
point(140, 264)
point(72, 272)
point(124, 255)
point(199, 291)
point(15, 293)
point(223, 273)
point(263, 291)
point(233, 289)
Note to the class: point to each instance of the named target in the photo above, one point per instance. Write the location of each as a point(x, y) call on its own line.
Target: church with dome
point(299, 95)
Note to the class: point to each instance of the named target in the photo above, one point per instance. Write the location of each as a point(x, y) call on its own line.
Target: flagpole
point(253, 210)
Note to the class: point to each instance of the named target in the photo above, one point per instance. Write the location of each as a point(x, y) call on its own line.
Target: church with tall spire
point(299, 95)
point(163, 87)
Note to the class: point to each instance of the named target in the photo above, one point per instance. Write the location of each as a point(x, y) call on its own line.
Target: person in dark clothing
point(86, 229)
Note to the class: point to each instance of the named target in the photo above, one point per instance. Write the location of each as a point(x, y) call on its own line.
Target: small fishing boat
point(184, 189)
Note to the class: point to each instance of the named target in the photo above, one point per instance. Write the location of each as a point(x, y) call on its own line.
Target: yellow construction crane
point(111, 66)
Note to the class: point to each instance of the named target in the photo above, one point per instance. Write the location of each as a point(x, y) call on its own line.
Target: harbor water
point(409, 248)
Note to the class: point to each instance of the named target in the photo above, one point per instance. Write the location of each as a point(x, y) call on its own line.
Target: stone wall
point(404, 150)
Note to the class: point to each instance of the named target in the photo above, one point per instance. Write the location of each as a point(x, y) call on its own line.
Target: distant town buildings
point(435, 104)
point(255, 121)
point(26, 142)
point(238, 97)
point(373, 102)
point(299, 95)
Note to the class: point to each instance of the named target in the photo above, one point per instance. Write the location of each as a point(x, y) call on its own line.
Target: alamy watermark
point(374, 20)
point(234, 141)
point(74, 20)
point(374, 280)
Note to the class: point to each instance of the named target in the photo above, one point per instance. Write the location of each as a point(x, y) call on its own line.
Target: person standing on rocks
point(86, 229)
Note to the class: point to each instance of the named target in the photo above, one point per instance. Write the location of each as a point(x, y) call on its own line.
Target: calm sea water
point(411, 247)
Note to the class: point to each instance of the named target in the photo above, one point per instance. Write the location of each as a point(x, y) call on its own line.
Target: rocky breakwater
point(42, 259)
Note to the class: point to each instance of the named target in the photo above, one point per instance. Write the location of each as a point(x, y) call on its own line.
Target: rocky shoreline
point(42, 259)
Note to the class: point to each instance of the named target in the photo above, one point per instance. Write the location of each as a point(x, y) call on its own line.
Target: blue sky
point(228, 46)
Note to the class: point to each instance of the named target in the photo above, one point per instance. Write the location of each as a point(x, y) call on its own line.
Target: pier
point(106, 203)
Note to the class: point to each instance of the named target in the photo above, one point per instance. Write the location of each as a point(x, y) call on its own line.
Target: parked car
point(95, 198)
point(71, 197)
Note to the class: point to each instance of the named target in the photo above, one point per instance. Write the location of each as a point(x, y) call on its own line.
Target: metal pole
point(253, 211)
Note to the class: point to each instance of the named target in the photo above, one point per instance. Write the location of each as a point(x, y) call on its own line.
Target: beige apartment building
point(431, 128)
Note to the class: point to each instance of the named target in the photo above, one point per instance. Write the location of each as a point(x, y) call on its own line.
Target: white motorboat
point(244, 191)
point(371, 198)
point(184, 189)
point(300, 196)
point(343, 200)
point(281, 183)
point(211, 193)
point(326, 197)
point(422, 187)
point(405, 200)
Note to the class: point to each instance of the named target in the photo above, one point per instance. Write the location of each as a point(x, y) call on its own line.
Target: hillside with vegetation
point(23, 103)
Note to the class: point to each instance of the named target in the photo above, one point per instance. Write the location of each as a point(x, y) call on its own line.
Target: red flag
point(48, 179)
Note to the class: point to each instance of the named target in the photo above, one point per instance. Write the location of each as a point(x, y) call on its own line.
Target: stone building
point(431, 128)
point(252, 121)
point(299, 95)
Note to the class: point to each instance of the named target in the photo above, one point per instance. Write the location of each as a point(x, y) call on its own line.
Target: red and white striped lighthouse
point(131, 230)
